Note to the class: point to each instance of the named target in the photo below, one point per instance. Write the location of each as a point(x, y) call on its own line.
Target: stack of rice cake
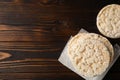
point(90, 53)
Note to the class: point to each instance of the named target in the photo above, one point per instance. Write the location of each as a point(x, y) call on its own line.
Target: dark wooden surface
point(34, 32)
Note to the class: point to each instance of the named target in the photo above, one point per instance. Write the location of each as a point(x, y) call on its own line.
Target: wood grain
point(34, 32)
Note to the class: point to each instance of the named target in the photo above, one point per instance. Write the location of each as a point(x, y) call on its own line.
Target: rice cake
point(88, 53)
point(108, 21)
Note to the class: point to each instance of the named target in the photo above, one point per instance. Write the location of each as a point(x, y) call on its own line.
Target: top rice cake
point(108, 21)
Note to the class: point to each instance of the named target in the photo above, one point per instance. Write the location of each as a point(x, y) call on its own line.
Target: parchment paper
point(64, 59)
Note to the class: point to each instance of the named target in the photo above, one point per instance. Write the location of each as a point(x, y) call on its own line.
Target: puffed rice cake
point(108, 21)
point(90, 53)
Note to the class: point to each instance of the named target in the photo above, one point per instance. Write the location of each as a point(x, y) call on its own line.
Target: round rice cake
point(108, 21)
point(90, 57)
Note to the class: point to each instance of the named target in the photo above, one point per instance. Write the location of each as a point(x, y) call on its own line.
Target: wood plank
point(14, 13)
point(37, 76)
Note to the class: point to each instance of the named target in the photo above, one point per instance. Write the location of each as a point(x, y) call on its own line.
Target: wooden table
point(34, 32)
